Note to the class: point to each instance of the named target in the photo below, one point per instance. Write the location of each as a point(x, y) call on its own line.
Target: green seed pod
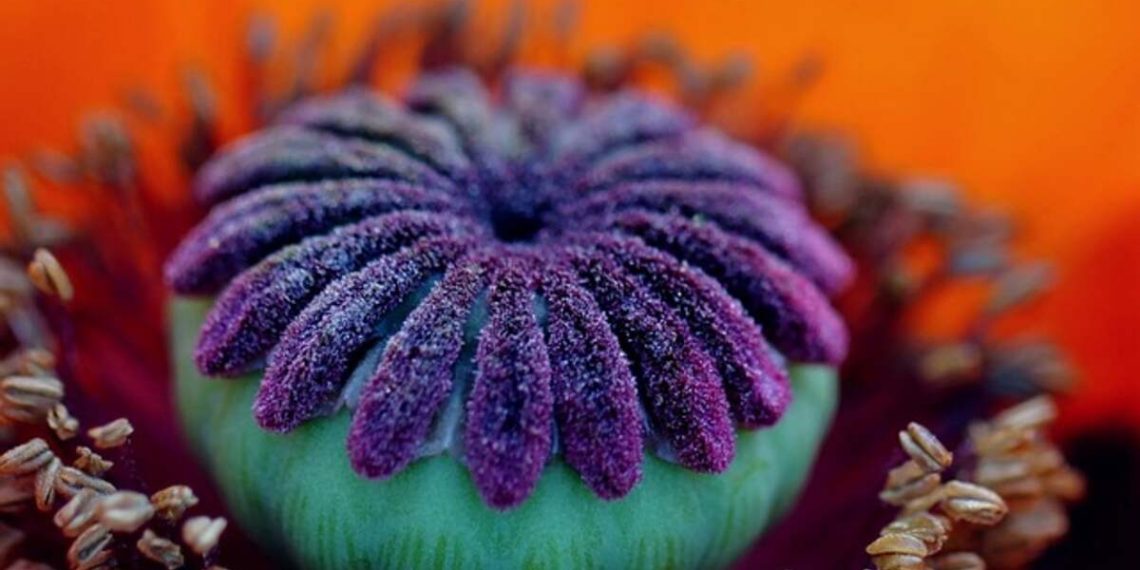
point(298, 496)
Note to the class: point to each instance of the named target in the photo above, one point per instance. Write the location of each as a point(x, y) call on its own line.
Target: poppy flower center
point(530, 270)
point(515, 214)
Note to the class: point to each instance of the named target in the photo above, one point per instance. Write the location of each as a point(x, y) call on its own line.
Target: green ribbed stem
point(298, 496)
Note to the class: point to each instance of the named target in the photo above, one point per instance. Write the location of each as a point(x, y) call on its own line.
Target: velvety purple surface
point(414, 378)
point(636, 276)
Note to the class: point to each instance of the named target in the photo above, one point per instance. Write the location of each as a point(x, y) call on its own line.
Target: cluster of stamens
point(89, 509)
point(1008, 509)
point(930, 510)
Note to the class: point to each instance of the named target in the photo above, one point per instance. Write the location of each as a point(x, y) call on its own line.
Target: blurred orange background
point(1034, 107)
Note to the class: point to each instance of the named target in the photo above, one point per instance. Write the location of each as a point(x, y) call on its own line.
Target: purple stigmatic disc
point(566, 273)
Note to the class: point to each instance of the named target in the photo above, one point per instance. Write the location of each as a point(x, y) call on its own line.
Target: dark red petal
point(508, 433)
point(595, 395)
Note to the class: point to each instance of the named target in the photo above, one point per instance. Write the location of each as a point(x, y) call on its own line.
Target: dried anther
point(160, 550)
point(26, 362)
point(911, 541)
point(29, 399)
point(1028, 415)
point(958, 561)
point(931, 529)
point(1066, 484)
point(72, 481)
point(908, 482)
point(90, 548)
point(990, 441)
point(1016, 459)
point(201, 534)
point(48, 275)
point(951, 363)
point(897, 552)
point(78, 513)
point(45, 484)
point(925, 449)
point(37, 361)
point(26, 458)
point(1001, 471)
point(1018, 285)
point(61, 422)
point(1027, 532)
point(91, 462)
point(972, 503)
point(171, 502)
point(1030, 365)
point(125, 511)
point(112, 434)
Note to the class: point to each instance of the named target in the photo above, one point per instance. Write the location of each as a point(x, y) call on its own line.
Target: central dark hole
point(515, 205)
point(514, 226)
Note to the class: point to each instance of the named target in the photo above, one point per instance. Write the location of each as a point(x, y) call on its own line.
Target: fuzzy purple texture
point(542, 102)
point(313, 359)
point(364, 114)
point(679, 385)
point(794, 315)
point(698, 156)
point(595, 393)
point(510, 411)
point(289, 153)
point(755, 382)
point(638, 274)
point(246, 229)
point(782, 226)
point(414, 377)
point(251, 312)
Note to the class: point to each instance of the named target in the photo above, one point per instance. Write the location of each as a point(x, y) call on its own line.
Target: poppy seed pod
point(548, 324)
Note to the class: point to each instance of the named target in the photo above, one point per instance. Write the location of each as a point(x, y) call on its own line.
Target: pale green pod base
point(298, 496)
